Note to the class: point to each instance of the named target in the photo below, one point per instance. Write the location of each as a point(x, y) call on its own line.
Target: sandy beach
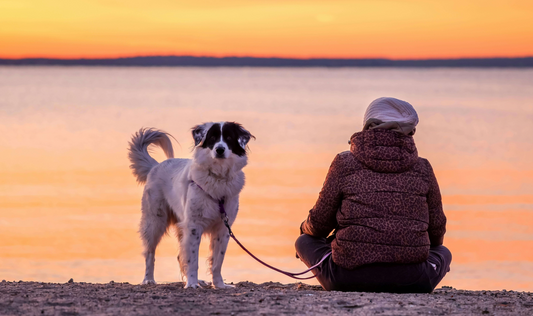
point(72, 298)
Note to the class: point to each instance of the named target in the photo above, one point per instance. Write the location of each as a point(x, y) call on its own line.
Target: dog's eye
point(228, 137)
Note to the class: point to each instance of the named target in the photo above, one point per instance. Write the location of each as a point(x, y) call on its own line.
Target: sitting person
point(383, 204)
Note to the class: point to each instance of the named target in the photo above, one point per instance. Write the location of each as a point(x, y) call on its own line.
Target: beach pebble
point(71, 280)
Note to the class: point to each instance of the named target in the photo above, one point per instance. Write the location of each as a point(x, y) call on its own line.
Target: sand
point(37, 298)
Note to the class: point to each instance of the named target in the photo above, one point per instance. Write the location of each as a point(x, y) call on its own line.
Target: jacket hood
point(384, 150)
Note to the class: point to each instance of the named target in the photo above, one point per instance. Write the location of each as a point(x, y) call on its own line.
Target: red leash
point(289, 274)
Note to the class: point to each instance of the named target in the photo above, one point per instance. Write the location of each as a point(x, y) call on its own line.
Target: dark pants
point(376, 277)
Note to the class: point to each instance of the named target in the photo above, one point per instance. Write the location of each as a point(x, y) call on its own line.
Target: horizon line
point(194, 61)
point(262, 57)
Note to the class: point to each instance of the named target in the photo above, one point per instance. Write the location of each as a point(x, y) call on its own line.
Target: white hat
point(391, 110)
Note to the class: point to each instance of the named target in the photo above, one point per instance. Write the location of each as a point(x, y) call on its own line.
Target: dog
point(185, 194)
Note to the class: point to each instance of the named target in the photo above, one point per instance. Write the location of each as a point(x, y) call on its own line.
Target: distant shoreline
point(191, 61)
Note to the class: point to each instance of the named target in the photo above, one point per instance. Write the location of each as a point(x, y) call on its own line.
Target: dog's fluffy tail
point(141, 161)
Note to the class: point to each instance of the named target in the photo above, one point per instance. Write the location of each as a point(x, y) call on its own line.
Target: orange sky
point(288, 28)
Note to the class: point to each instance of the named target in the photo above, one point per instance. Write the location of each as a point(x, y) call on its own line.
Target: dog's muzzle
point(220, 152)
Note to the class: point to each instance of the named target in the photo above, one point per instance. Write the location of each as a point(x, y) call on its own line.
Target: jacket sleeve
point(322, 217)
point(437, 219)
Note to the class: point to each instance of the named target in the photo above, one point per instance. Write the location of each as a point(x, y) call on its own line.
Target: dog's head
point(220, 141)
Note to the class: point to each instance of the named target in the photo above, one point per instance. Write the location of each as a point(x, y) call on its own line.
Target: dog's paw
point(223, 286)
point(192, 285)
point(146, 281)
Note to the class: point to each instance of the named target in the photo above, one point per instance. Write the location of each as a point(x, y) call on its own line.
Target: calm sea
point(69, 207)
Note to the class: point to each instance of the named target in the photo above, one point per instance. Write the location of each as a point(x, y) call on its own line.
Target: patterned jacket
point(382, 199)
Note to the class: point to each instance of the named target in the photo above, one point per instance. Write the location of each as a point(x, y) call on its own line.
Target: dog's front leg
point(190, 244)
point(218, 246)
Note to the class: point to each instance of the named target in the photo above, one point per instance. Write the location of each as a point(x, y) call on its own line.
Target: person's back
point(384, 205)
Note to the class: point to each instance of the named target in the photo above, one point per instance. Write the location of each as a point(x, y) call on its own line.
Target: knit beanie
point(391, 110)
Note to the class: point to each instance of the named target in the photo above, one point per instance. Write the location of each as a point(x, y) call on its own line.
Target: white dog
point(186, 193)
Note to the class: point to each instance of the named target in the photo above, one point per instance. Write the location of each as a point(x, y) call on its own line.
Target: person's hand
point(301, 233)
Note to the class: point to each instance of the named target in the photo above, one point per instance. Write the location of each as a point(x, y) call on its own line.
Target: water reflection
point(70, 208)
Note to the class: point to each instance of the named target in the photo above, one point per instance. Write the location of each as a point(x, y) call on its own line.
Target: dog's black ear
point(199, 132)
point(244, 137)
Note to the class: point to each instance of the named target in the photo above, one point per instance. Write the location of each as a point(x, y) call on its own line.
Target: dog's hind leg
point(154, 223)
point(218, 246)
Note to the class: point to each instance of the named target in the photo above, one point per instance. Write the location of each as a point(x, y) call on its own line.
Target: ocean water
point(70, 208)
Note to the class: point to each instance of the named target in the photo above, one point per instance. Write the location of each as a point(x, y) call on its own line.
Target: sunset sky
point(289, 28)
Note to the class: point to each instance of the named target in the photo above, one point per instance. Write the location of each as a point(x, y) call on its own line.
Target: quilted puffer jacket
point(382, 200)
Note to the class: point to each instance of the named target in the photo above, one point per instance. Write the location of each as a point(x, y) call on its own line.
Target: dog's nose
point(220, 151)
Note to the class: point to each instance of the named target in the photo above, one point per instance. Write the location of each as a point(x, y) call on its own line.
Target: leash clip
point(226, 222)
